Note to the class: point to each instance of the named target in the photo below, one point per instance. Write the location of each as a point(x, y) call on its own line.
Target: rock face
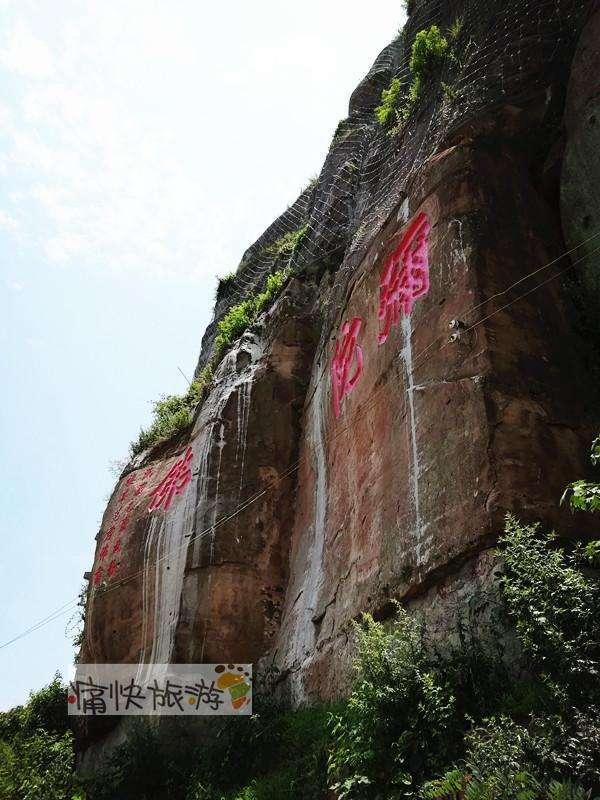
point(187, 584)
point(433, 296)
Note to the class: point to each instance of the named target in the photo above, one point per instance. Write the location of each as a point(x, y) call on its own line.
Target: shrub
point(155, 762)
point(428, 52)
point(38, 767)
point(390, 101)
point(47, 708)
point(239, 318)
point(505, 761)
point(554, 606)
point(585, 495)
point(581, 748)
point(429, 49)
point(271, 755)
point(173, 413)
point(394, 729)
point(37, 757)
point(234, 323)
point(225, 283)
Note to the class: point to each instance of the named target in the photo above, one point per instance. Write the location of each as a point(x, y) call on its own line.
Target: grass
point(287, 244)
point(241, 316)
point(173, 413)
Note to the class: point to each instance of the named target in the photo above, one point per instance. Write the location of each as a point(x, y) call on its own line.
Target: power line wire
point(67, 607)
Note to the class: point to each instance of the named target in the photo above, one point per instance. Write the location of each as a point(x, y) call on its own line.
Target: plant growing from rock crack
point(173, 413)
point(242, 315)
point(287, 244)
point(224, 284)
point(585, 495)
point(390, 101)
point(429, 50)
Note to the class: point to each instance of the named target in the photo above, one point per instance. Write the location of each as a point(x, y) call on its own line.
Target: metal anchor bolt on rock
point(459, 327)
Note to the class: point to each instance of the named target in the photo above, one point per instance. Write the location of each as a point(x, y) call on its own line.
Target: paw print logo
point(235, 680)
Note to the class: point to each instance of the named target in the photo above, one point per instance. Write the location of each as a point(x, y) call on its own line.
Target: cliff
point(428, 366)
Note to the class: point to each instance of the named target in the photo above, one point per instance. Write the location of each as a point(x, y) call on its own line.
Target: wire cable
point(368, 402)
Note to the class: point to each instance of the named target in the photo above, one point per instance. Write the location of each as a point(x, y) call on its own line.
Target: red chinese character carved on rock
point(174, 483)
point(347, 352)
point(405, 276)
point(124, 495)
point(112, 568)
point(109, 534)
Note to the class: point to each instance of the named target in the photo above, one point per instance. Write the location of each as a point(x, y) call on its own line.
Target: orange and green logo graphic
point(234, 680)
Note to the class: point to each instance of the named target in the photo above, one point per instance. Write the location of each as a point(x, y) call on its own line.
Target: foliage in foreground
point(36, 748)
point(273, 755)
point(531, 733)
point(436, 721)
point(585, 495)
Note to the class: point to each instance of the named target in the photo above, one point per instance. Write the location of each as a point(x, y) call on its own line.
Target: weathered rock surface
point(294, 521)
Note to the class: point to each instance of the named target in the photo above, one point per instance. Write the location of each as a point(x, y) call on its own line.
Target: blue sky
point(143, 147)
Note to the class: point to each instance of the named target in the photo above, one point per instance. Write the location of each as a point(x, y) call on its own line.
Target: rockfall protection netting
point(500, 51)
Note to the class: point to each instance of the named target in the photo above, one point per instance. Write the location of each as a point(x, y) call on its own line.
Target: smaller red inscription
point(173, 483)
point(109, 534)
point(347, 352)
point(112, 568)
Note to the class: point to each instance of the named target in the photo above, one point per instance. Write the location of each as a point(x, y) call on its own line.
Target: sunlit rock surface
point(480, 401)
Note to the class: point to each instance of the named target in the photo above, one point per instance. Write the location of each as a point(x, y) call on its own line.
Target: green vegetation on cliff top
point(428, 52)
point(175, 413)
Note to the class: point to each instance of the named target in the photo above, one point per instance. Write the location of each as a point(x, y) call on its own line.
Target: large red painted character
point(174, 483)
point(347, 352)
point(405, 276)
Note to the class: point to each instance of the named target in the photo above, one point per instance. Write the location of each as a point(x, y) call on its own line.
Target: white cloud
point(7, 222)
point(25, 54)
point(139, 140)
point(15, 286)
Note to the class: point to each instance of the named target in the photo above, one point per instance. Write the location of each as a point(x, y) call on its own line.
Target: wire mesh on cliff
point(502, 52)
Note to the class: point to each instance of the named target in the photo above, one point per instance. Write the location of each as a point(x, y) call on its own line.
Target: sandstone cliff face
point(290, 519)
